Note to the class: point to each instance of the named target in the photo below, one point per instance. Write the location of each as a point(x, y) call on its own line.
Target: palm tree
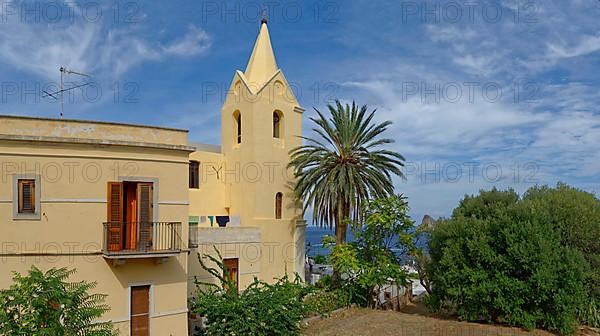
point(344, 166)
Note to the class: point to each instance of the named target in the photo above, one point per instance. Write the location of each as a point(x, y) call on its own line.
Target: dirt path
point(413, 321)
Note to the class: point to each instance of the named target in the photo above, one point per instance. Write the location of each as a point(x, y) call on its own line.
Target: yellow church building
point(132, 207)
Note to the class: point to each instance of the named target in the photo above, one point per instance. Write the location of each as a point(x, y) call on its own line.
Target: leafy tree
point(502, 259)
point(44, 304)
point(338, 171)
point(261, 309)
point(369, 262)
point(487, 204)
point(576, 216)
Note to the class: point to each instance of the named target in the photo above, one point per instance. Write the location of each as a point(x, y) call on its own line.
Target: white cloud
point(195, 42)
point(477, 65)
point(95, 48)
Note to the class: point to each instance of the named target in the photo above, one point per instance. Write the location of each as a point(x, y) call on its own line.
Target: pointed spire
point(262, 65)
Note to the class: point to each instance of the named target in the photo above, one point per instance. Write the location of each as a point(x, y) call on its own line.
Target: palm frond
point(344, 165)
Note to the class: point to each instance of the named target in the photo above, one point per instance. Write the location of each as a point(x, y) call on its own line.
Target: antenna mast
point(59, 95)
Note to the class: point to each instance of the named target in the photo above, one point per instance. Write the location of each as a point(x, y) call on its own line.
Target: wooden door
point(115, 216)
point(145, 214)
point(131, 217)
point(232, 267)
point(140, 311)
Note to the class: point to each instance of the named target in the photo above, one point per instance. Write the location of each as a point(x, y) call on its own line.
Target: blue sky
point(481, 93)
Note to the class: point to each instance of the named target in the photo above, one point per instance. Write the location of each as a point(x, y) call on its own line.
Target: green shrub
point(323, 302)
point(261, 309)
point(502, 260)
point(576, 216)
point(325, 282)
point(320, 259)
point(589, 313)
point(44, 304)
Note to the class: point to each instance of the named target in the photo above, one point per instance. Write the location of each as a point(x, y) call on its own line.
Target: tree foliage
point(340, 169)
point(374, 257)
point(575, 214)
point(44, 304)
point(523, 262)
point(261, 309)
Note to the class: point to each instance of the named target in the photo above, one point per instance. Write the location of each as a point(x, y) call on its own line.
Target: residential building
point(107, 199)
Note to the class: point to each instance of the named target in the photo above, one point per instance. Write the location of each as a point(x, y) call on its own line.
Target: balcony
point(134, 240)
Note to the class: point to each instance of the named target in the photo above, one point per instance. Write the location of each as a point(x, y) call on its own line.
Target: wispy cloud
point(195, 42)
point(586, 45)
point(95, 47)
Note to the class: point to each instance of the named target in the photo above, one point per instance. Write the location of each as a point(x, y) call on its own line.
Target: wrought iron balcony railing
point(141, 239)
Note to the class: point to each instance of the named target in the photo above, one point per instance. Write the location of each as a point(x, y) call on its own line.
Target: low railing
point(141, 238)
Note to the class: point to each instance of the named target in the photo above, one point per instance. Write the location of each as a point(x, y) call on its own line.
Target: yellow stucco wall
point(211, 198)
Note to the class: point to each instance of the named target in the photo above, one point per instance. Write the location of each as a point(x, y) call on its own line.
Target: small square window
point(26, 196)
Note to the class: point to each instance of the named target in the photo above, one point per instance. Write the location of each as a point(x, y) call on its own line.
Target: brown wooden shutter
point(26, 196)
point(145, 214)
point(115, 216)
point(140, 311)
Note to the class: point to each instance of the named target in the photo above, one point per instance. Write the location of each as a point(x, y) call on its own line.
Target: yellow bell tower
point(261, 121)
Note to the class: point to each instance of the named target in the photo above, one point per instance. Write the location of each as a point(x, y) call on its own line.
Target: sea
point(314, 240)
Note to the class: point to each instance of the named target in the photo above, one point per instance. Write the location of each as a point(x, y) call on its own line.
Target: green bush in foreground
point(44, 304)
point(323, 302)
point(261, 309)
point(498, 260)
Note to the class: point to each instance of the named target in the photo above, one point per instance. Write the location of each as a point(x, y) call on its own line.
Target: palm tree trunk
point(341, 223)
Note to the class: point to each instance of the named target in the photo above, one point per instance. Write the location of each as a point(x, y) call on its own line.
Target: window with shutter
point(27, 196)
point(194, 174)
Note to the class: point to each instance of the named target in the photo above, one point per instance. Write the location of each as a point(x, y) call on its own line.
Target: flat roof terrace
point(17, 128)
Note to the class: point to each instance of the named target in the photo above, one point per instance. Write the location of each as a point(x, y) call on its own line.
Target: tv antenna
point(59, 95)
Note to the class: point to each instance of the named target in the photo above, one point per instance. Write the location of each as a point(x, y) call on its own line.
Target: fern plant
point(45, 304)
